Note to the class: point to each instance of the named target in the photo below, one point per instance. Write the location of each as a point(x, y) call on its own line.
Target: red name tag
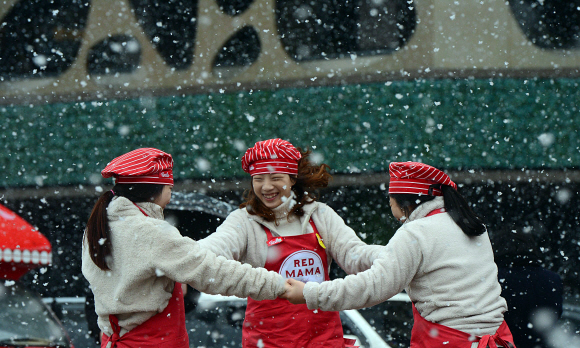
point(275, 241)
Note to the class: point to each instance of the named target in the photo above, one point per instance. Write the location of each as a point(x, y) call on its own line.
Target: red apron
point(163, 330)
point(426, 334)
point(279, 324)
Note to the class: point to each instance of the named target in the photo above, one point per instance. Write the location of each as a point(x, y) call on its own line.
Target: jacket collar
point(309, 209)
point(283, 209)
point(123, 207)
point(425, 208)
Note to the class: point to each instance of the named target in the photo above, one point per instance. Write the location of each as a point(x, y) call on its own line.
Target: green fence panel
point(459, 124)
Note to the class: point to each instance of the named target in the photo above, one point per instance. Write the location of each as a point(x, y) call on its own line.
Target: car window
point(25, 319)
point(392, 320)
point(216, 324)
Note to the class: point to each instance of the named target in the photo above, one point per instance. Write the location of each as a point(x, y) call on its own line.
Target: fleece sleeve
point(388, 276)
point(184, 260)
point(230, 239)
point(345, 247)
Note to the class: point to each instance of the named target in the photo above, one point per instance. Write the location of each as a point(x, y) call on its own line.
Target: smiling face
point(270, 188)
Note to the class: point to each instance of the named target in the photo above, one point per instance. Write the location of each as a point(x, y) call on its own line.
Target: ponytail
point(97, 232)
point(461, 213)
point(455, 205)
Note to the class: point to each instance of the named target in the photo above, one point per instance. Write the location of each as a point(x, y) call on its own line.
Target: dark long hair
point(97, 232)
point(310, 178)
point(455, 205)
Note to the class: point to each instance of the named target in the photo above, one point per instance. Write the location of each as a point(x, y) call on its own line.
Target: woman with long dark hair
point(281, 226)
point(441, 257)
point(135, 261)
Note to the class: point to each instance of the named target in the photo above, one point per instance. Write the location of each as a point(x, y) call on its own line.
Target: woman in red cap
point(441, 257)
point(135, 261)
point(280, 226)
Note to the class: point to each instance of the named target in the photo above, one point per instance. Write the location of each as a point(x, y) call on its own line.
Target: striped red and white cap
point(416, 178)
point(271, 156)
point(141, 166)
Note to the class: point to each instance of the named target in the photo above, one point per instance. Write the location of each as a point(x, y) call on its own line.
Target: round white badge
point(303, 265)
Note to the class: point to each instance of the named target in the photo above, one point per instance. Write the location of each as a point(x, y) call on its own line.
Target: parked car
point(26, 321)
point(217, 321)
point(392, 320)
point(196, 215)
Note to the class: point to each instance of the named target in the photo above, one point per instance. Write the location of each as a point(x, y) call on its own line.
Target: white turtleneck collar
point(284, 209)
point(425, 208)
point(287, 224)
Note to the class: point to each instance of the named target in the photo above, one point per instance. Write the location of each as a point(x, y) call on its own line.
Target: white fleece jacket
point(149, 255)
point(451, 277)
point(241, 237)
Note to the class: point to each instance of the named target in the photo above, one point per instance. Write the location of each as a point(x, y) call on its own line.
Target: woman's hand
point(294, 291)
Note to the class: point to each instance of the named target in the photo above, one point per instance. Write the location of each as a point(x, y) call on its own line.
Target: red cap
point(271, 156)
point(141, 166)
point(416, 178)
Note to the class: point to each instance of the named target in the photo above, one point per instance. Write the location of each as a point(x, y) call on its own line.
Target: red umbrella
point(22, 247)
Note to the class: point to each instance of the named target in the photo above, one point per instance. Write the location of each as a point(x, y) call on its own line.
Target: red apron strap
point(268, 233)
point(426, 334)
point(502, 336)
point(114, 338)
point(270, 236)
point(275, 240)
point(143, 211)
point(436, 211)
point(313, 225)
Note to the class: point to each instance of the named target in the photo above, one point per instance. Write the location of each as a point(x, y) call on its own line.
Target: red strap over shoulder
point(436, 211)
point(275, 240)
point(143, 211)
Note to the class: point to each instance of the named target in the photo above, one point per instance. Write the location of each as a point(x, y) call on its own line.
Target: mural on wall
point(365, 82)
point(64, 50)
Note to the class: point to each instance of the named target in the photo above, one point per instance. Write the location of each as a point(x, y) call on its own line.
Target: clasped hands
point(294, 291)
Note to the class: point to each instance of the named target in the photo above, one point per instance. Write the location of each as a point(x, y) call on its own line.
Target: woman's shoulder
point(324, 214)
point(323, 211)
point(241, 218)
point(316, 207)
point(121, 207)
point(240, 214)
point(430, 228)
point(144, 225)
